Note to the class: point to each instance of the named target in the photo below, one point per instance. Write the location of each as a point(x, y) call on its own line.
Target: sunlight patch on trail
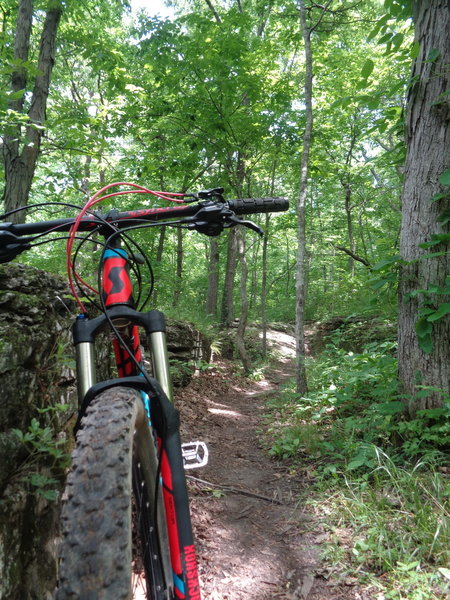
point(225, 413)
point(282, 342)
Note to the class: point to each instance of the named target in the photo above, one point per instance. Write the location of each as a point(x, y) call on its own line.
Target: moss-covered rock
point(34, 328)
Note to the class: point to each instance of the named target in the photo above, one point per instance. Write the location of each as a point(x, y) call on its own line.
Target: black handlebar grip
point(249, 206)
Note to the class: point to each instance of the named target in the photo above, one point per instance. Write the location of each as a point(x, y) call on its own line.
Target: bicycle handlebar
point(207, 216)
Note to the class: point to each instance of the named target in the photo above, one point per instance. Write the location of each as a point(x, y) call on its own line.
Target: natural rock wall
point(36, 377)
point(34, 328)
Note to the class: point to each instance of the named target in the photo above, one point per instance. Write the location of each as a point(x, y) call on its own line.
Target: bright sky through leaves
point(153, 7)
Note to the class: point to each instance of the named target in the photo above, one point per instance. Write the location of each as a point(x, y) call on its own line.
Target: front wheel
point(114, 532)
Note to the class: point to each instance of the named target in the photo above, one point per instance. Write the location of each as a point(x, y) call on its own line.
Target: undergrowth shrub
point(381, 482)
point(396, 525)
point(380, 476)
point(355, 404)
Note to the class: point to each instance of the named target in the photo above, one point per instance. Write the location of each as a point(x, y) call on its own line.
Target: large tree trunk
point(302, 386)
point(20, 152)
point(428, 142)
point(264, 286)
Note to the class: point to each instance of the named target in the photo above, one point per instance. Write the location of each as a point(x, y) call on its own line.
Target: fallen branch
point(232, 490)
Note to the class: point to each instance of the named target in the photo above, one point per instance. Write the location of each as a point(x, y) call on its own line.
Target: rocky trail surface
point(254, 540)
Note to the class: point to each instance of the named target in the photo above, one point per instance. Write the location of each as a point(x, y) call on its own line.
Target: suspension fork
point(117, 293)
point(117, 296)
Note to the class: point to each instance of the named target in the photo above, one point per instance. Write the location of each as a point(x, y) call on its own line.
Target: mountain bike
point(126, 527)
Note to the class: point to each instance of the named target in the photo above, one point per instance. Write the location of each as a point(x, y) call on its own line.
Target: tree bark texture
point(301, 382)
point(179, 269)
point(21, 148)
point(159, 253)
point(227, 298)
point(240, 343)
point(213, 278)
point(264, 286)
point(428, 142)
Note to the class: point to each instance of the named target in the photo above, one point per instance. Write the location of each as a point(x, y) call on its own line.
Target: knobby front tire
point(111, 547)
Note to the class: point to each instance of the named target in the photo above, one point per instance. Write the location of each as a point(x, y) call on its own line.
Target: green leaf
point(444, 217)
point(379, 283)
point(380, 24)
point(16, 95)
point(385, 38)
point(397, 40)
point(374, 32)
point(367, 69)
point(436, 239)
point(437, 197)
point(426, 344)
point(19, 434)
point(390, 408)
point(408, 566)
point(363, 83)
point(386, 262)
point(433, 255)
point(433, 54)
point(423, 327)
point(444, 179)
point(373, 105)
point(424, 312)
point(357, 462)
point(415, 49)
point(443, 309)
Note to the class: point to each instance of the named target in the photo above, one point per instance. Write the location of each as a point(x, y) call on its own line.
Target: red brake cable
point(95, 199)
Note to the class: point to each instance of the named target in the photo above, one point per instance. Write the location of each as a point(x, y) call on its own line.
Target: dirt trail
point(250, 548)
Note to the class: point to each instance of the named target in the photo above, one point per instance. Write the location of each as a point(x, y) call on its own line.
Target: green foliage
point(378, 485)
point(431, 311)
point(354, 406)
point(47, 456)
point(190, 103)
point(396, 525)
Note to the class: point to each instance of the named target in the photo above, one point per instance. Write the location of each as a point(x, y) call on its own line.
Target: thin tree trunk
point(254, 275)
point(179, 269)
point(302, 386)
point(212, 8)
point(213, 278)
point(159, 253)
point(243, 354)
point(351, 237)
point(264, 266)
point(20, 163)
point(230, 270)
point(428, 141)
point(264, 286)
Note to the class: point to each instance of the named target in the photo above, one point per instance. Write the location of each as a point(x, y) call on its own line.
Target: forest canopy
point(215, 97)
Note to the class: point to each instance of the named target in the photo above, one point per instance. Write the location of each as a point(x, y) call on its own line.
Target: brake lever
point(208, 220)
point(212, 218)
point(253, 226)
point(11, 245)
